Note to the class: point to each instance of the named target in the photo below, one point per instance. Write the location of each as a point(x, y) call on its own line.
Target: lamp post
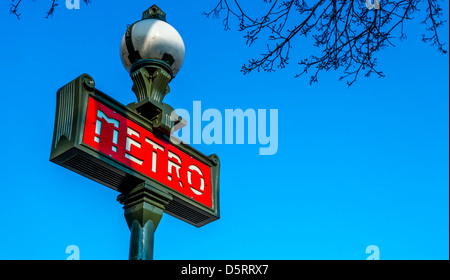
point(129, 148)
point(152, 52)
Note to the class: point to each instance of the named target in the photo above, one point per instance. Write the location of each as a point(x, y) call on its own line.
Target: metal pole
point(142, 240)
point(144, 208)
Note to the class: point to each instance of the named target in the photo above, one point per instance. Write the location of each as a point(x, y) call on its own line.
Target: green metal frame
point(69, 151)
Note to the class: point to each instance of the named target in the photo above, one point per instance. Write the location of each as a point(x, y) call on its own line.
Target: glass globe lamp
point(152, 52)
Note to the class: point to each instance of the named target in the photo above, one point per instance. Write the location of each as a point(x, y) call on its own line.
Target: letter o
point(189, 176)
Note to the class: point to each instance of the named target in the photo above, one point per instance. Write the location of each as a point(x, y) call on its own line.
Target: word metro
point(131, 144)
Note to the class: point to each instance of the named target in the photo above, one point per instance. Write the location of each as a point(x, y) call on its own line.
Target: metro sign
point(122, 139)
point(103, 140)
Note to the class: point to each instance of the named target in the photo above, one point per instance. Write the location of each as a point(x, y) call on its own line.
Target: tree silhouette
point(14, 7)
point(348, 33)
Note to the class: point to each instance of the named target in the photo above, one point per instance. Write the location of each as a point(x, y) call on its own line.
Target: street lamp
point(129, 148)
point(152, 51)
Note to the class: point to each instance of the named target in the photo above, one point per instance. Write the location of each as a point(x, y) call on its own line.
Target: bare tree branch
point(432, 21)
point(347, 33)
point(14, 7)
point(52, 9)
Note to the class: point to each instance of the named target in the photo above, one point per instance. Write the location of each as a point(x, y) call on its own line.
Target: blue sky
point(359, 166)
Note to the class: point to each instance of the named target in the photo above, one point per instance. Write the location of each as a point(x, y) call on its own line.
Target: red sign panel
point(129, 143)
